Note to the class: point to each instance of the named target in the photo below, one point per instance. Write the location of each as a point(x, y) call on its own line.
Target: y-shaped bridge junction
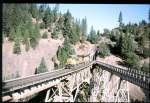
point(68, 80)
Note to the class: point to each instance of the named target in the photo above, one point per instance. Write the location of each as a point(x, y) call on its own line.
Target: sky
point(102, 16)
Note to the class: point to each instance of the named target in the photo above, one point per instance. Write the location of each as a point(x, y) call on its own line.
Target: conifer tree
point(120, 19)
point(42, 67)
point(84, 28)
point(55, 12)
point(92, 36)
point(17, 49)
point(67, 24)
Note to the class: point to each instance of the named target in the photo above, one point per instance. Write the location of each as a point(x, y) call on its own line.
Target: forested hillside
point(129, 41)
point(22, 24)
point(18, 26)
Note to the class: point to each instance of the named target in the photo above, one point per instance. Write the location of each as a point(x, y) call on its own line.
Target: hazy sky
point(106, 15)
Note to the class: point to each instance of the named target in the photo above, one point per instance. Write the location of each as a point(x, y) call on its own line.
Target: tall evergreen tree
point(48, 17)
point(84, 28)
point(34, 35)
point(42, 67)
point(55, 12)
point(98, 33)
point(55, 33)
point(67, 31)
point(74, 37)
point(120, 19)
point(42, 10)
point(92, 36)
point(33, 10)
point(61, 22)
point(17, 49)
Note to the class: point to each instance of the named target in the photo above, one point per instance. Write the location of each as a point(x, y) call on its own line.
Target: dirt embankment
point(84, 48)
point(26, 62)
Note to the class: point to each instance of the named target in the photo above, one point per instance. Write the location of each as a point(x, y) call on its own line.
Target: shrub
point(72, 51)
point(103, 50)
point(54, 34)
point(62, 56)
point(44, 35)
point(132, 60)
point(42, 26)
point(145, 67)
point(146, 52)
point(33, 43)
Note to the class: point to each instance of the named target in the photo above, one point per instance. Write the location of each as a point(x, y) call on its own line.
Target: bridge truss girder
point(66, 86)
point(122, 95)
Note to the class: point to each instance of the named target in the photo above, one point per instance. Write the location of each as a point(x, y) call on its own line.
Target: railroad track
point(138, 78)
point(15, 84)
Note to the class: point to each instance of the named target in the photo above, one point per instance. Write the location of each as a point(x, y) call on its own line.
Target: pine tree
point(42, 10)
point(67, 24)
point(98, 33)
point(61, 22)
point(126, 44)
point(84, 28)
point(120, 19)
point(74, 37)
point(78, 29)
point(103, 50)
point(55, 12)
point(67, 45)
point(34, 11)
point(106, 33)
point(54, 34)
point(26, 39)
point(12, 34)
point(62, 56)
point(42, 67)
point(48, 18)
point(34, 35)
point(45, 35)
point(92, 36)
point(17, 49)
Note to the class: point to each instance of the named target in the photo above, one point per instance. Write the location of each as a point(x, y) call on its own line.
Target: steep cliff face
point(26, 62)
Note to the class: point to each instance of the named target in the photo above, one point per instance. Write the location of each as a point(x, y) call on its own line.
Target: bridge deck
point(134, 77)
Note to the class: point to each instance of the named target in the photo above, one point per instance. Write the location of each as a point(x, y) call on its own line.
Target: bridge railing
point(15, 84)
point(126, 69)
point(141, 79)
point(22, 82)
